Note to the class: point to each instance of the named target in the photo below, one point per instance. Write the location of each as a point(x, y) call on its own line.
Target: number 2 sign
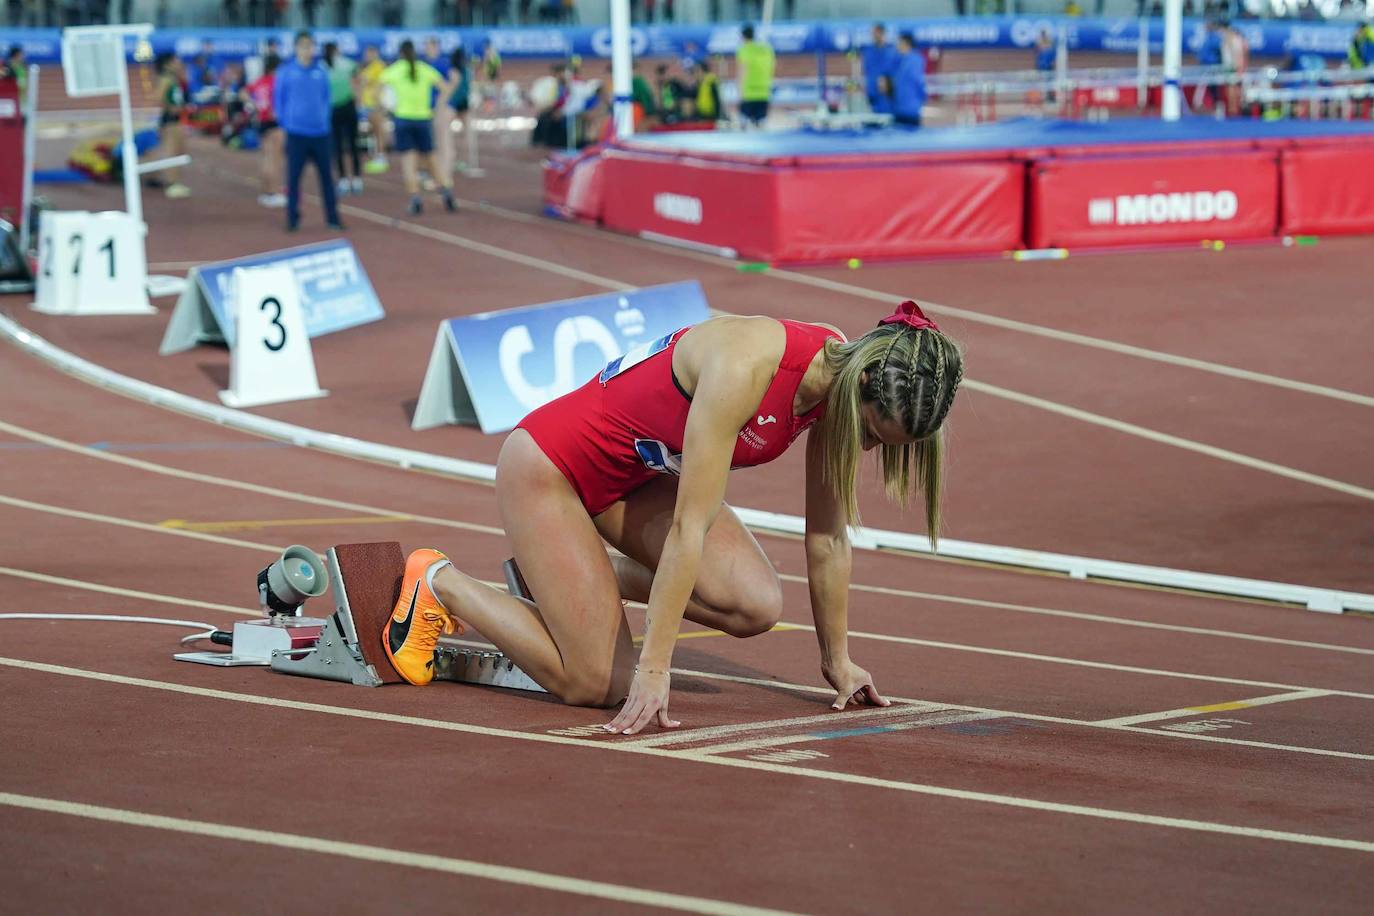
point(271, 359)
point(92, 264)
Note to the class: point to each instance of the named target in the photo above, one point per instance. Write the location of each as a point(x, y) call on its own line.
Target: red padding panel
point(1328, 189)
point(1136, 200)
point(875, 212)
point(714, 203)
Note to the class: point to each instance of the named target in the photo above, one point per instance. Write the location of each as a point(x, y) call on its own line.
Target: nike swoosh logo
point(400, 629)
point(764, 421)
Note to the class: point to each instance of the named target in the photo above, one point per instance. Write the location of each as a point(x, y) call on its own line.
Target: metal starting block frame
point(366, 583)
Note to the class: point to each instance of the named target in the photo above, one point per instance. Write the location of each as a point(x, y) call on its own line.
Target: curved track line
point(469, 868)
point(853, 634)
point(298, 496)
point(1191, 445)
point(688, 735)
point(1011, 801)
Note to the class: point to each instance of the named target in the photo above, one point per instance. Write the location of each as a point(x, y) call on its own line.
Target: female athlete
point(638, 458)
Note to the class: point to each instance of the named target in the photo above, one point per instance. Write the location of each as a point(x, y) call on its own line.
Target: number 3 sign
point(271, 359)
point(92, 264)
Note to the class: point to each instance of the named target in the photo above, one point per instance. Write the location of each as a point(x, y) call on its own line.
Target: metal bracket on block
point(470, 665)
point(337, 656)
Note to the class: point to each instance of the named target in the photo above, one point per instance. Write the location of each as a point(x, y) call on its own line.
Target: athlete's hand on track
point(852, 685)
point(648, 698)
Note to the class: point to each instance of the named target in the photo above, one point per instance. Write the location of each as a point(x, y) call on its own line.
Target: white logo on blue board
point(569, 334)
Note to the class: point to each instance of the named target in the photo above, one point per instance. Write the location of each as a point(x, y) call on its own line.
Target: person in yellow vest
point(413, 81)
point(370, 95)
point(754, 63)
point(708, 93)
point(1361, 52)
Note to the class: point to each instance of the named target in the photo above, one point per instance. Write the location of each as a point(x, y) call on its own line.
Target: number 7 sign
point(271, 359)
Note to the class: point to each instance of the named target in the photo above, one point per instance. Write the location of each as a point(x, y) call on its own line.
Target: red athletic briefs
point(614, 433)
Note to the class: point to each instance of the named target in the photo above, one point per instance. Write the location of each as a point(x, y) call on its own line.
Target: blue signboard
point(494, 368)
point(335, 294)
point(1275, 38)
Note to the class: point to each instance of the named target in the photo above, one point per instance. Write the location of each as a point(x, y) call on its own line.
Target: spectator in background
point(300, 98)
point(271, 141)
point(171, 93)
point(908, 83)
point(1235, 57)
point(641, 95)
point(708, 93)
point(414, 83)
point(343, 117)
point(457, 100)
point(441, 113)
point(201, 74)
point(1045, 52)
point(343, 12)
point(308, 12)
point(1361, 52)
point(1208, 55)
point(755, 64)
point(370, 92)
point(16, 69)
point(879, 60)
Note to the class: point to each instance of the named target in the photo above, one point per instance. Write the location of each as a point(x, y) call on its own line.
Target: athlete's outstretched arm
point(729, 388)
point(828, 567)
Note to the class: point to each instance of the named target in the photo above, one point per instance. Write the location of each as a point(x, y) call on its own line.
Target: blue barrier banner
point(494, 368)
point(335, 294)
point(1273, 38)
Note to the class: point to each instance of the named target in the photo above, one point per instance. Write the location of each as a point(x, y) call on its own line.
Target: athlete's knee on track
point(595, 685)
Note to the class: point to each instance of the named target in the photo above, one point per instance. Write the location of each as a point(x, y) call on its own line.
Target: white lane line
point(1010, 801)
point(930, 719)
point(67, 582)
point(297, 496)
point(1082, 663)
point(1215, 707)
point(1083, 615)
point(658, 740)
point(853, 634)
point(1190, 445)
point(687, 736)
point(1034, 717)
point(405, 858)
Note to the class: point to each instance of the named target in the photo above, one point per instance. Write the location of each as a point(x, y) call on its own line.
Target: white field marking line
point(66, 582)
point(792, 627)
point(1035, 717)
point(964, 314)
point(848, 716)
point(928, 720)
point(1082, 663)
point(1215, 707)
point(231, 483)
point(1191, 445)
point(297, 496)
point(1083, 615)
point(1010, 801)
point(720, 731)
point(524, 877)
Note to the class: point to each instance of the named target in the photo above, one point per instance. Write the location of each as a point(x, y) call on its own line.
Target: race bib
point(633, 357)
point(658, 457)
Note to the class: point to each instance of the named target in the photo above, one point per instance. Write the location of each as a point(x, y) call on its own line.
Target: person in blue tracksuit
point(879, 61)
point(908, 83)
point(301, 102)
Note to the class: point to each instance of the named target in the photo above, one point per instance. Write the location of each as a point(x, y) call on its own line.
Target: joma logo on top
point(1177, 207)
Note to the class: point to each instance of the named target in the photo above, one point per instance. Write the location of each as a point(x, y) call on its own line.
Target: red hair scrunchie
point(910, 314)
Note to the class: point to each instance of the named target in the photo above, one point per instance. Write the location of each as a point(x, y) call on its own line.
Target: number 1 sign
point(271, 359)
point(92, 264)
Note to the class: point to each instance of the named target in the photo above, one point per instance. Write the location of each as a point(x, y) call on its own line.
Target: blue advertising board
point(335, 294)
point(1274, 38)
point(494, 368)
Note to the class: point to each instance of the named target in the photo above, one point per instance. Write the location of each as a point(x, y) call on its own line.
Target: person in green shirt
point(343, 119)
point(755, 64)
point(412, 83)
point(15, 67)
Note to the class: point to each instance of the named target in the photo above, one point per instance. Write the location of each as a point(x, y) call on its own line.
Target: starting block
point(366, 582)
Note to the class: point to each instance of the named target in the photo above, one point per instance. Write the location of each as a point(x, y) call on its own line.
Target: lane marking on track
point(964, 314)
point(487, 871)
point(711, 733)
point(297, 496)
point(243, 524)
point(929, 719)
point(1190, 445)
point(1010, 801)
point(1215, 707)
point(1034, 717)
point(853, 634)
point(68, 582)
point(993, 390)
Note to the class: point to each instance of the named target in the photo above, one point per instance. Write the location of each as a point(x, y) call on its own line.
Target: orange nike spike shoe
point(412, 631)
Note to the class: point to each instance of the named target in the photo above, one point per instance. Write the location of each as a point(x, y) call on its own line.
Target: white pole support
point(171, 162)
point(765, 18)
point(1171, 105)
point(30, 137)
point(621, 63)
point(133, 189)
point(1142, 64)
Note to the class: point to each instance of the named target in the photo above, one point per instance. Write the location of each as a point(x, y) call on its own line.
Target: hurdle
point(366, 583)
